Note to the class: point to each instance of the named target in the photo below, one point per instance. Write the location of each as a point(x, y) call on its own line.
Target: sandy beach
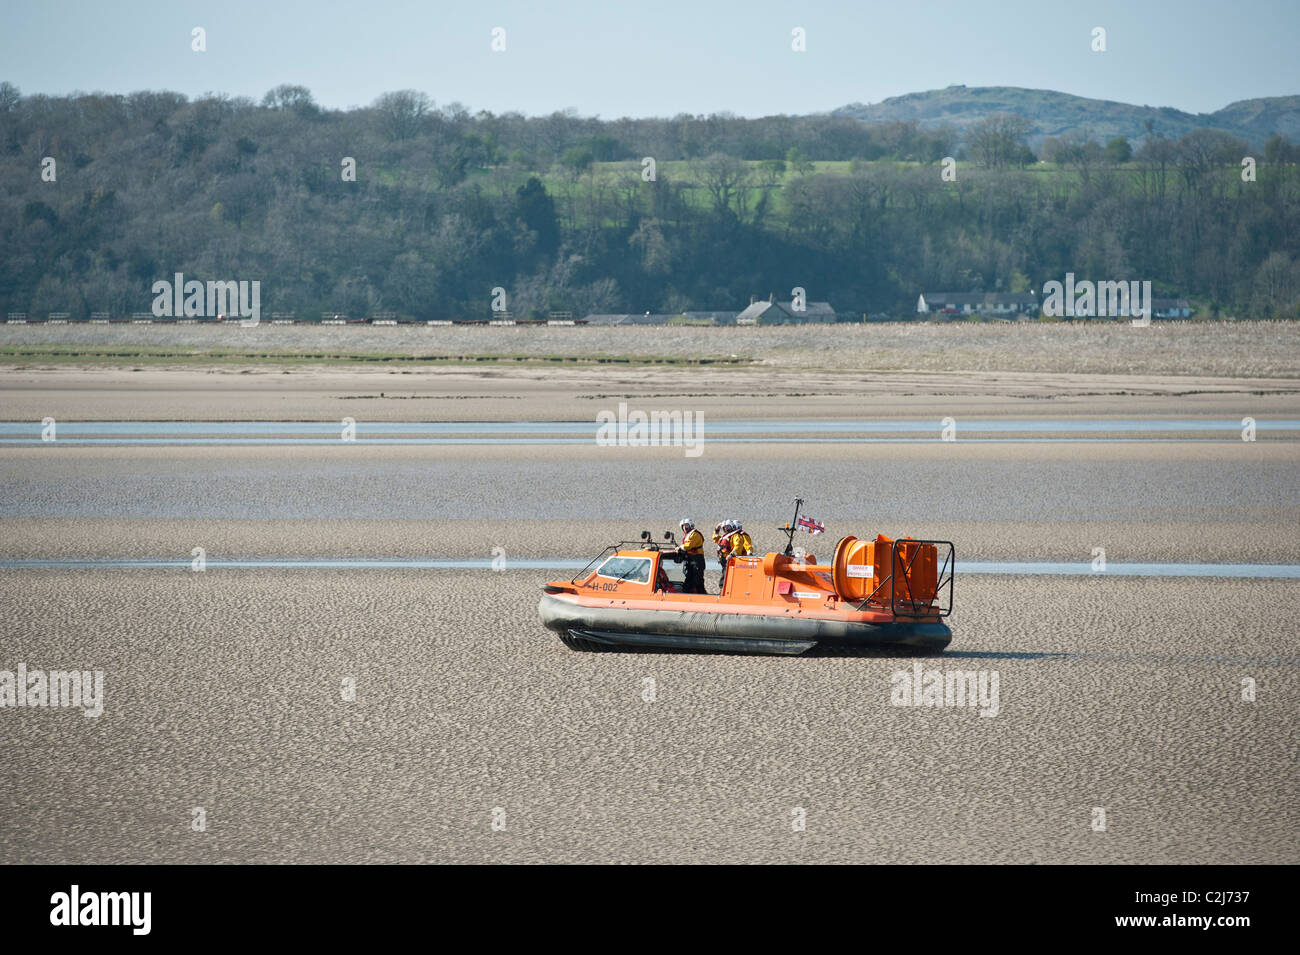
point(222, 691)
point(1181, 349)
point(840, 371)
point(223, 688)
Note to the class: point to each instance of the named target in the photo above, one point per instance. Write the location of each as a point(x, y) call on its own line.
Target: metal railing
point(945, 575)
point(645, 543)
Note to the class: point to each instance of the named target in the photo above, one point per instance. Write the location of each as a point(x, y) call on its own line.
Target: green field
point(576, 194)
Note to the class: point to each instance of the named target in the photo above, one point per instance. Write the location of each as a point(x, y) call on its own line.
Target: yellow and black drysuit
point(736, 544)
point(692, 546)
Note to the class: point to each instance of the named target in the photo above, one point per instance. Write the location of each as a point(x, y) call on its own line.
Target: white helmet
point(687, 524)
point(737, 525)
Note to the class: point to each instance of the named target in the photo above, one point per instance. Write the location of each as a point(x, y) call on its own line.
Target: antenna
point(790, 528)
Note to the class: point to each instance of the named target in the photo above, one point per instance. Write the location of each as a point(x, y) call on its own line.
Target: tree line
point(104, 194)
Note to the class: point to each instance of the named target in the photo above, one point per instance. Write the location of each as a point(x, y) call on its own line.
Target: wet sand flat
point(267, 392)
point(223, 690)
point(895, 485)
point(1224, 541)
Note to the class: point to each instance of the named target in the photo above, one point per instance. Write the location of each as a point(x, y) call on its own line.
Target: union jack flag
point(811, 526)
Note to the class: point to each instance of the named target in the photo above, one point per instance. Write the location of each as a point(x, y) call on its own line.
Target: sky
point(658, 57)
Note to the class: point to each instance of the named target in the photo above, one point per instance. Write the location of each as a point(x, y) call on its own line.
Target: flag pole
point(789, 541)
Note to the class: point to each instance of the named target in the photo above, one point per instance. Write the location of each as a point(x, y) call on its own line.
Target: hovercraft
point(873, 593)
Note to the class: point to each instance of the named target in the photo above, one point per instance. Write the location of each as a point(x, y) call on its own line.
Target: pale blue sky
point(658, 58)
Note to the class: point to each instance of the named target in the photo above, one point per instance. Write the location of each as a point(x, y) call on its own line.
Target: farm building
point(772, 312)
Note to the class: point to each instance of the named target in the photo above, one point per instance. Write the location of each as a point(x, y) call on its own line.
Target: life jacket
point(741, 545)
point(693, 543)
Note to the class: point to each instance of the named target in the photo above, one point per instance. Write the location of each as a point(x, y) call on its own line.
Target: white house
point(978, 303)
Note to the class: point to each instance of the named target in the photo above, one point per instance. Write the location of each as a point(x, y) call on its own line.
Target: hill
point(1055, 114)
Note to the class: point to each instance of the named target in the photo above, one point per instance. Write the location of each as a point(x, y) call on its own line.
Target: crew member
point(738, 545)
point(741, 545)
point(723, 539)
point(692, 547)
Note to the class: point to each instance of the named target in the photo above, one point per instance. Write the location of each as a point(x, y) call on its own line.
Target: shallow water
point(981, 567)
point(580, 432)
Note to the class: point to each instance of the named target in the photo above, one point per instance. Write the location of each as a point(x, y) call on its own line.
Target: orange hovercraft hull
point(881, 593)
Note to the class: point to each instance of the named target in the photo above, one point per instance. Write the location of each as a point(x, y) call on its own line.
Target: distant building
point(758, 313)
point(653, 318)
point(978, 303)
point(715, 318)
point(628, 318)
point(1013, 304)
point(1171, 308)
point(773, 312)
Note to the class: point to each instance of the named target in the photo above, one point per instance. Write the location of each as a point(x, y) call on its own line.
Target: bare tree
point(10, 95)
point(997, 139)
point(1154, 157)
point(656, 255)
point(727, 180)
point(1199, 152)
point(1276, 288)
point(296, 98)
point(1078, 150)
point(402, 112)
